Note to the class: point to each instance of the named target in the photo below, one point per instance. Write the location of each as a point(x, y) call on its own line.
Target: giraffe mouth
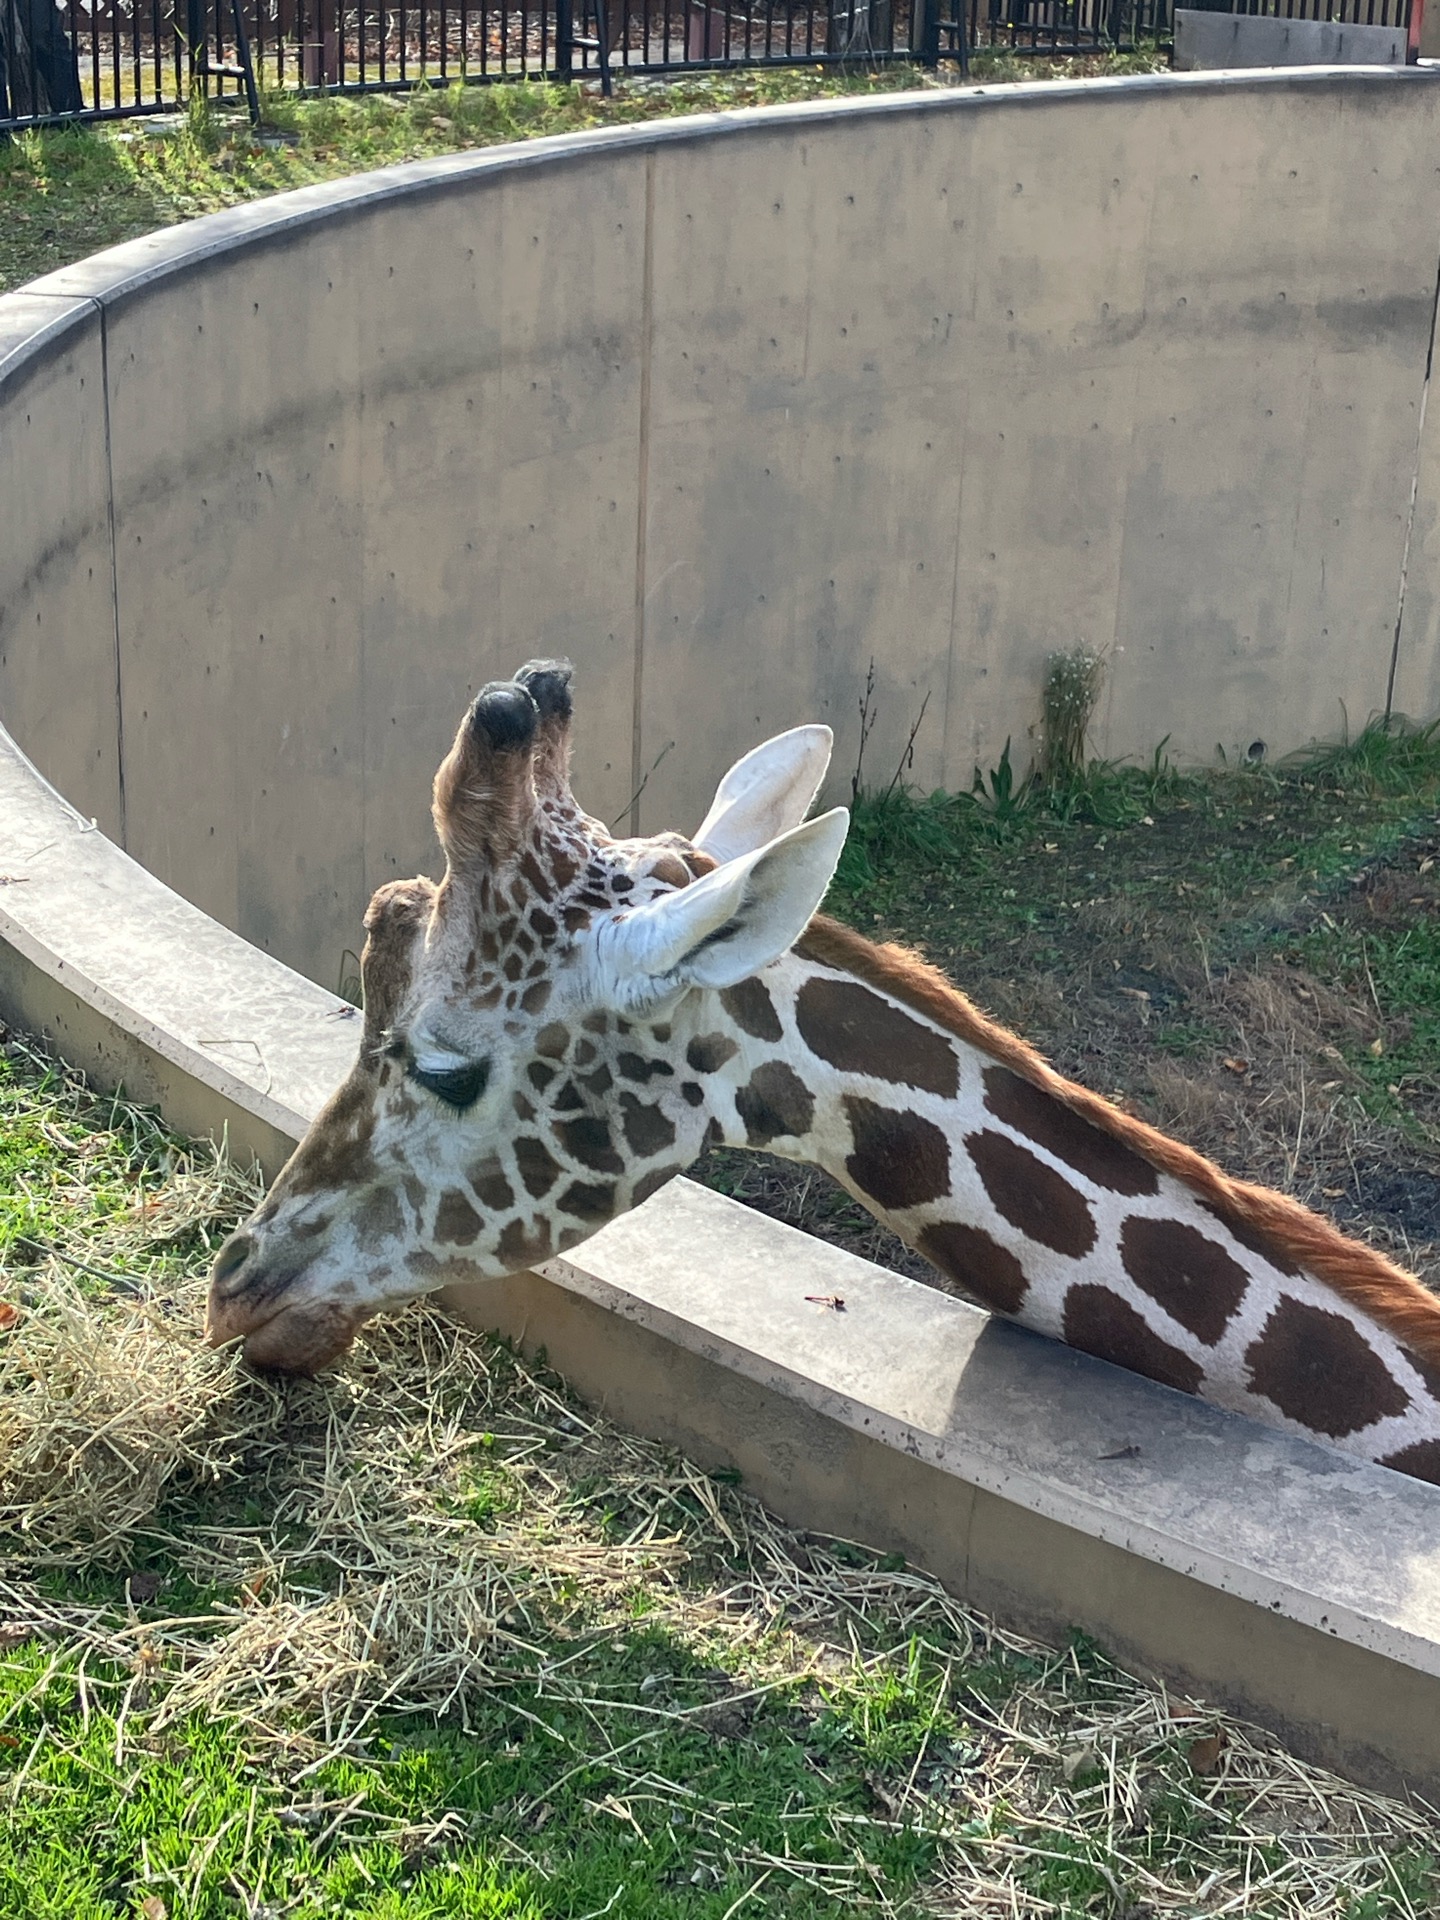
point(301, 1339)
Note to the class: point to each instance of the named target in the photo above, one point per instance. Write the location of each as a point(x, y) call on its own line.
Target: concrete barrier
point(723, 409)
point(1286, 1582)
point(701, 404)
point(1230, 40)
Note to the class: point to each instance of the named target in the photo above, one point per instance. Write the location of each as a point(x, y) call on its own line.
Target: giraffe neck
point(1045, 1204)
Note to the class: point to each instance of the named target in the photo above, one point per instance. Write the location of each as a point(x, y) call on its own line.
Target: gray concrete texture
point(723, 409)
point(1230, 40)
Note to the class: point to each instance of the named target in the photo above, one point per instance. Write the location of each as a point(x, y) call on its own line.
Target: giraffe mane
point(1392, 1297)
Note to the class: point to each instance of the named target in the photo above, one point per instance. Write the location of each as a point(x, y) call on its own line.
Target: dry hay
point(334, 1527)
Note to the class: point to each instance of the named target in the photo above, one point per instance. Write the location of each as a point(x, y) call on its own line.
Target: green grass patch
point(426, 1638)
point(1007, 865)
point(68, 193)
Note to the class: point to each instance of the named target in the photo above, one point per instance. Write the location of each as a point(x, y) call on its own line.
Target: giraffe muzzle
point(280, 1336)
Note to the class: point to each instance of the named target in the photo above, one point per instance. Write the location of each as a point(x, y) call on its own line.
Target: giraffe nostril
point(231, 1258)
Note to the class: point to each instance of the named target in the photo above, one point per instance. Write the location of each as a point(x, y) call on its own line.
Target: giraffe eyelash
point(459, 1087)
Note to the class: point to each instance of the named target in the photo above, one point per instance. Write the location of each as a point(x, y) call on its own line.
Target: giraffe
point(567, 1020)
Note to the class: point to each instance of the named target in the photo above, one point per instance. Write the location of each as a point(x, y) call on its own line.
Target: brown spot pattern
point(1428, 1370)
point(1193, 1278)
point(1099, 1322)
point(1421, 1461)
point(336, 1151)
point(1030, 1195)
point(652, 1182)
point(708, 1052)
point(633, 1067)
point(536, 1166)
point(456, 1221)
point(588, 1202)
point(493, 1189)
point(378, 1216)
point(900, 1159)
point(1253, 1242)
point(1320, 1371)
point(525, 1243)
point(587, 1139)
point(645, 1126)
point(980, 1266)
point(749, 1005)
point(534, 998)
point(859, 1032)
point(773, 1102)
point(1052, 1125)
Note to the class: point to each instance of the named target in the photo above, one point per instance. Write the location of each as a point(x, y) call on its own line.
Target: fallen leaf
point(8, 1316)
point(152, 1907)
point(1377, 1047)
point(1233, 1065)
point(1079, 1760)
point(143, 1585)
point(1427, 863)
point(15, 1636)
point(1205, 1754)
point(834, 1301)
point(1133, 993)
point(1333, 1193)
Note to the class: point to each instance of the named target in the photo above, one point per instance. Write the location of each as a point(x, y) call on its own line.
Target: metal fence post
point(564, 40)
point(925, 32)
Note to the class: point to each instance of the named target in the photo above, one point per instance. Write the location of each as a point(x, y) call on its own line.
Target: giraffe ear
point(766, 793)
point(730, 923)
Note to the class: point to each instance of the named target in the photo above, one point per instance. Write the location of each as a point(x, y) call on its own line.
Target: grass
point(65, 194)
point(1247, 956)
point(427, 1638)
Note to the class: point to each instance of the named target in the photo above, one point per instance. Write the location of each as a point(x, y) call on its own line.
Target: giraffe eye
point(458, 1087)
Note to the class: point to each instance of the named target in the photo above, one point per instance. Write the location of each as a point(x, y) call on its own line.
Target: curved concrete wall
point(723, 409)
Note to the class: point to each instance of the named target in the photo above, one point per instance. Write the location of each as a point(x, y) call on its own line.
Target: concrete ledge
point(1233, 40)
point(133, 984)
point(1285, 1582)
point(1276, 1578)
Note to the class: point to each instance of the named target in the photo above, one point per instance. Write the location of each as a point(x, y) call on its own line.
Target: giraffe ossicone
point(568, 1019)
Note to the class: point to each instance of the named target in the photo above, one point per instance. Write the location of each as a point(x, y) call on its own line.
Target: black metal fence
point(95, 59)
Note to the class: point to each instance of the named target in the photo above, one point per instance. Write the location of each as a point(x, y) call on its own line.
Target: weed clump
point(1072, 688)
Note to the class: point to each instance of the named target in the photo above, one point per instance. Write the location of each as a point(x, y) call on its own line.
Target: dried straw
point(440, 1517)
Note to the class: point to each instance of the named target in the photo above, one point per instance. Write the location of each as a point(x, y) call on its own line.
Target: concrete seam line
point(124, 835)
point(642, 498)
point(1414, 498)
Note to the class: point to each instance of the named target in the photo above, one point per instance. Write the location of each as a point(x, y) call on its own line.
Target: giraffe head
point(518, 1082)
